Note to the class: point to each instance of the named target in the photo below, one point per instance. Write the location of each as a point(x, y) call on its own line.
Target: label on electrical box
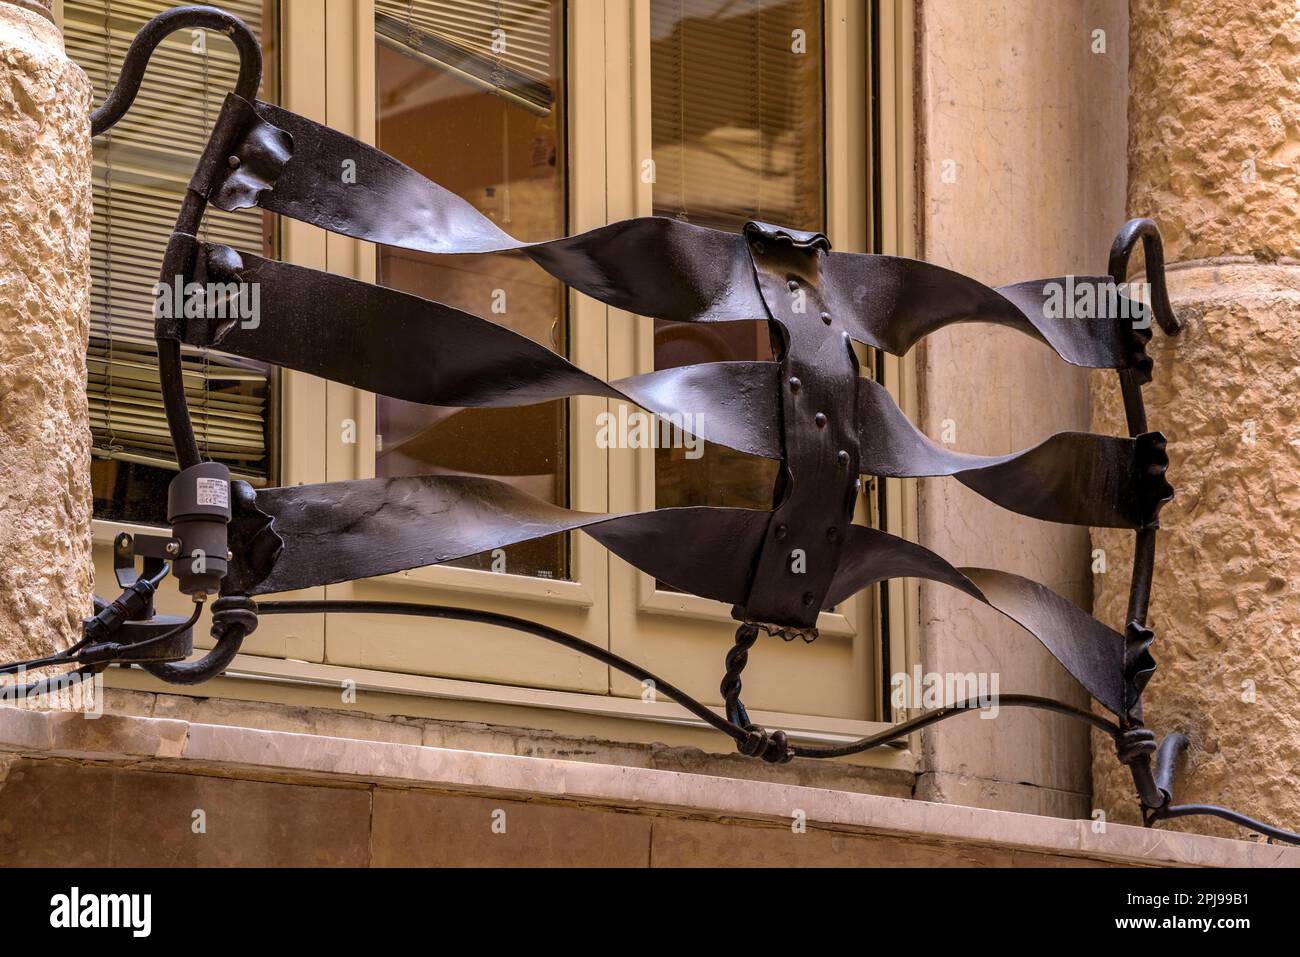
point(212, 491)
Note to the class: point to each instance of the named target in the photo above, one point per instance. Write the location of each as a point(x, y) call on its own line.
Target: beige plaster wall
point(1014, 104)
point(1214, 158)
point(45, 500)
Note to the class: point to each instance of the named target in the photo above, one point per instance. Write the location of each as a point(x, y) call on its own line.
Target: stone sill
point(177, 746)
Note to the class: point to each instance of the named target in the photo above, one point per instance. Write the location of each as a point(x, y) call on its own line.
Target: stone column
point(1214, 151)
point(45, 207)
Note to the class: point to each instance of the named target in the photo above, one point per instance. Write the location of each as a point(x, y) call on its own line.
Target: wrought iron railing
point(809, 409)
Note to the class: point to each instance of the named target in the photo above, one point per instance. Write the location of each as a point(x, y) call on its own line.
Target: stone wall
point(45, 502)
point(152, 791)
point(1214, 158)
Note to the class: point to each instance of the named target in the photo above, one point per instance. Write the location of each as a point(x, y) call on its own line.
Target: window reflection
point(470, 95)
point(737, 102)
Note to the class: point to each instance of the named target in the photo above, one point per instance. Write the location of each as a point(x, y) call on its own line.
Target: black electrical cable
point(740, 734)
point(703, 712)
point(904, 728)
point(109, 651)
point(290, 607)
point(146, 586)
point(1213, 810)
point(67, 656)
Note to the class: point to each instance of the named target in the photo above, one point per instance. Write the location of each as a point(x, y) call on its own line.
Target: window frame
point(290, 658)
point(304, 638)
point(667, 630)
point(577, 605)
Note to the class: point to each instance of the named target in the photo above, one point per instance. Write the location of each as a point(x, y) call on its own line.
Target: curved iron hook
point(229, 637)
point(1144, 549)
point(1153, 248)
point(112, 110)
point(119, 101)
point(1131, 381)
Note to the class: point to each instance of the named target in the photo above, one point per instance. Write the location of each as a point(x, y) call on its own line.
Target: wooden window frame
point(304, 659)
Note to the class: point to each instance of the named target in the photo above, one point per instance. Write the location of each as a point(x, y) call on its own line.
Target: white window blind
point(141, 169)
point(502, 45)
point(737, 111)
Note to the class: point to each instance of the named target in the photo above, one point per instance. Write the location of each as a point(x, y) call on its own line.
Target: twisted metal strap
point(773, 747)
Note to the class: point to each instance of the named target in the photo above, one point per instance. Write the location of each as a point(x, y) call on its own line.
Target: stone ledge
point(206, 749)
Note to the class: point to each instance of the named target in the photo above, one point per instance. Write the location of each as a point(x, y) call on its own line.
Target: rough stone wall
point(1213, 113)
point(1214, 158)
point(1225, 605)
point(1022, 172)
point(45, 206)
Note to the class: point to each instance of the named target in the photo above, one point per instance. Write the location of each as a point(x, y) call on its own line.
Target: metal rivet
point(808, 598)
point(826, 318)
point(843, 459)
point(234, 162)
point(795, 384)
point(792, 285)
point(820, 420)
point(781, 532)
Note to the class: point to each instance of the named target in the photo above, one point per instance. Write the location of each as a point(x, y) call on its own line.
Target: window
point(737, 134)
point(141, 169)
point(544, 114)
point(470, 95)
point(745, 109)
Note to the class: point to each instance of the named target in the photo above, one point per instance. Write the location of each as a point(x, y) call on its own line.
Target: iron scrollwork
point(810, 409)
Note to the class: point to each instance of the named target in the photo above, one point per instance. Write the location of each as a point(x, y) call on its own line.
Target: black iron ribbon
point(401, 345)
point(651, 266)
point(342, 531)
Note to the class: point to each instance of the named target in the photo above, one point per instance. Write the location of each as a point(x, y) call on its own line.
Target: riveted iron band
point(815, 491)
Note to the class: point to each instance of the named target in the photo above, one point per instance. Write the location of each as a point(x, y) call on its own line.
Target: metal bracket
point(156, 550)
point(817, 488)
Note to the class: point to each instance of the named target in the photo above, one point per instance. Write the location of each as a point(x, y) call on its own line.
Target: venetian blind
point(141, 169)
point(736, 111)
point(501, 45)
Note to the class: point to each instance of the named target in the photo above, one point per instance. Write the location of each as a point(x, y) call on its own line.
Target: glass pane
point(141, 169)
point(475, 102)
point(737, 103)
